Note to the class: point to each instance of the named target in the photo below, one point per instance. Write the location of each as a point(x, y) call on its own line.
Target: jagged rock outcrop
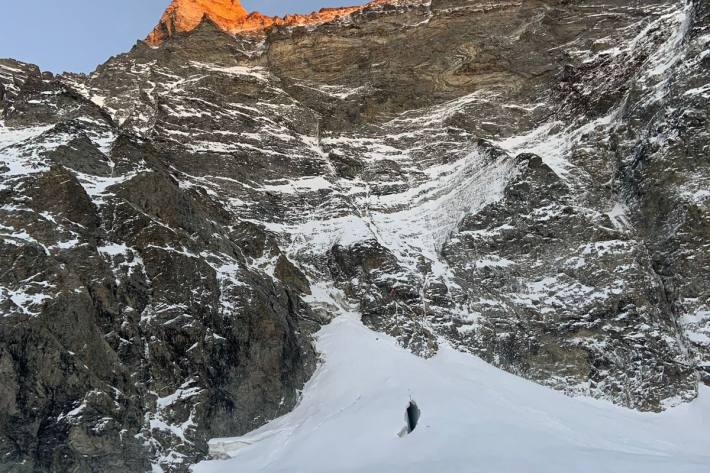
point(526, 181)
point(229, 16)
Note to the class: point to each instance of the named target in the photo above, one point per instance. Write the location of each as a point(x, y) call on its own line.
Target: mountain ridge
point(185, 15)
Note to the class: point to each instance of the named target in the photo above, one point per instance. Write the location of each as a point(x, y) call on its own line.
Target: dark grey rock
point(525, 181)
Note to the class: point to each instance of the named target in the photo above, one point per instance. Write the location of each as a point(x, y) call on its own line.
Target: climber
point(411, 418)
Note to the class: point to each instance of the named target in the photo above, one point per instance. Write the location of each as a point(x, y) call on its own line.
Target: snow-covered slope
point(475, 418)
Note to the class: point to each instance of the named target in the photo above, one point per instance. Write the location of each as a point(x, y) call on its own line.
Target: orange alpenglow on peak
point(186, 15)
point(230, 16)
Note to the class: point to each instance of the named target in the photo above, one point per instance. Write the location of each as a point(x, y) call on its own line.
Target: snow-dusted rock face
point(525, 181)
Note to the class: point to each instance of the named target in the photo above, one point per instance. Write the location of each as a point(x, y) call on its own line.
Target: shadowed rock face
point(524, 180)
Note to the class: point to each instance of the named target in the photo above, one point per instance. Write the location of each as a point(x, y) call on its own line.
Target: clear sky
point(78, 35)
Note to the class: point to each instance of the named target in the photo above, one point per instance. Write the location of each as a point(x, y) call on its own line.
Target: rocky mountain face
point(526, 181)
point(229, 16)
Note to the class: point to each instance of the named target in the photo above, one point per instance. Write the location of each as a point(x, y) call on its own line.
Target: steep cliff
point(524, 181)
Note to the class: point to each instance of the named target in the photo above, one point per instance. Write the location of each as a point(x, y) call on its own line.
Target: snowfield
point(475, 418)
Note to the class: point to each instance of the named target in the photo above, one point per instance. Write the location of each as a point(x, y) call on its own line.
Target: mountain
point(229, 16)
point(521, 182)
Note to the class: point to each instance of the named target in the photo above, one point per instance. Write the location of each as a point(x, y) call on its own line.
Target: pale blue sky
point(78, 35)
